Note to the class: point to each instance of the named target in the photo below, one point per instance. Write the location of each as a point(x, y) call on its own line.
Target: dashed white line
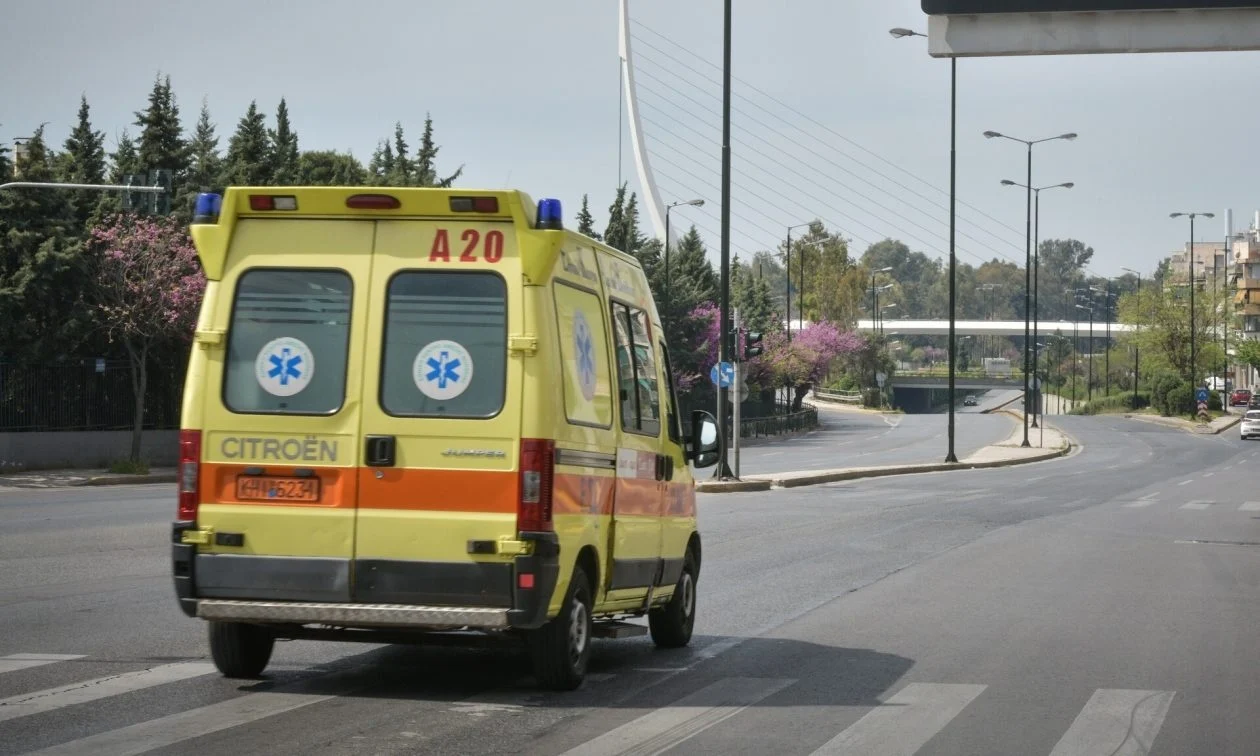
point(1186, 482)
point(1197, 504)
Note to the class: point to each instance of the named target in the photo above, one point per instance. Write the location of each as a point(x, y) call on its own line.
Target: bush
point(1114, 403)
point(1179, 401)
point(1161, 384)
point(129, 467)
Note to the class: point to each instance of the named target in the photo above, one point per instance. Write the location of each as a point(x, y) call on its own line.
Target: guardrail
point(776, 425)
point(851, 397)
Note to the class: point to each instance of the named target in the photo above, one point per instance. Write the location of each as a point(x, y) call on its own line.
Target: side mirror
point(704, 447)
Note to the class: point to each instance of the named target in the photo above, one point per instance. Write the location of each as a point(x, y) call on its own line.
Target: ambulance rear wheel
point(561, 649)
point(671, 625)
point(240, 650)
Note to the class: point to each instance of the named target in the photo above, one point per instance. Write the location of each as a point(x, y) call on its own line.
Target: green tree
point(403, 171)
point(586, 224)
point(751, 294)
point(1062, 264)
point(123, 160)
point(6, 165)
point(161, 144)
point(330, 168)
point(426, 160)
point(615, 233)
point(284, 149)
point(692, 284)
point(1163, 334)
point(1247, 352)
point(84, 151)
point(382, 166)
point(41, 268)
point(205, 166)
point(915, 274)
point(248, 160)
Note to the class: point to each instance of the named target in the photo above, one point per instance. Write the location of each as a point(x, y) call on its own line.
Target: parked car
point(1240, 398)
point(1250, 425)
point(969, 401)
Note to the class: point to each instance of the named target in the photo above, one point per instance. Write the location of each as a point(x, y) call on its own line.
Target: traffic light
point(752, 345)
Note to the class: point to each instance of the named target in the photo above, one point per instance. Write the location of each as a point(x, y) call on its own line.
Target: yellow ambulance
point(413, 411)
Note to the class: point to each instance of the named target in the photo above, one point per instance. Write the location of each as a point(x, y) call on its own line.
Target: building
point(1209, 260)
point(1246, 279)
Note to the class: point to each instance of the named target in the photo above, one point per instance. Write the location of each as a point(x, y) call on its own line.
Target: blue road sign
point(722, 374)
point(1201, 394)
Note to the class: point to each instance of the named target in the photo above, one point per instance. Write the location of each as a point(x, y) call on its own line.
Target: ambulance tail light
point(474, 204)
point(260, 202)
point(189, 473)
point(533, 512)
point(373, 202)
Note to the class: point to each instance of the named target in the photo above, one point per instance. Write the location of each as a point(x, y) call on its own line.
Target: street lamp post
point(881, 315)
point(1027, 255)
point(1089, 382)
point(787, 276)
point(1136, 355)
point(1107, 343)
point(953, 177)
point(668, 299)
point(1036, 268)
point(1193, 369)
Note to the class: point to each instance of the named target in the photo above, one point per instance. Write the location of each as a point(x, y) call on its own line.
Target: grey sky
point(525, 95)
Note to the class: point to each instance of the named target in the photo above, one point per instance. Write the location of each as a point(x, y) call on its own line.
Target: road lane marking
point(1250, 506)
point(52, 699)
point(666, 727)
point(1197, 504)
point(1116, 722)
point(1186, 482)
point(1139, 503)
point(904, 722)
point(194, 723)
point(1152, 495)
point(1208, 474)
point(14, 662)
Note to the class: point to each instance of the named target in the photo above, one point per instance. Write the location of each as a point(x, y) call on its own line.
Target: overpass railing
point(848, 397)
point(1013, 375)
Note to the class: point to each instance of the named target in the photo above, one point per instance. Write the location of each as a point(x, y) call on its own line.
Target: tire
point(561, 649)
point(671, 625)
point(240, 650)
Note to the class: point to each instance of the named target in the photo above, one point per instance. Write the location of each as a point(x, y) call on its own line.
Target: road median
point(1004, 454)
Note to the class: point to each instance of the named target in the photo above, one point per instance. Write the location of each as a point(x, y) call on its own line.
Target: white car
point(1250, 425)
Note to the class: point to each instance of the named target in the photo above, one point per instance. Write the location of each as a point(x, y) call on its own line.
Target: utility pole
point(724, 316)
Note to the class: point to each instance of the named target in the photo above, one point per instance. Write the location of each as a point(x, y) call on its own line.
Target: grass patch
point(129, 467)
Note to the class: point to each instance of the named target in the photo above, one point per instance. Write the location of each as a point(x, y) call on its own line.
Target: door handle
point(664, 467)
point(380, 451)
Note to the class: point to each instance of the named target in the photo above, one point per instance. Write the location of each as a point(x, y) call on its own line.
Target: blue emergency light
point(550, 215)
point(207, 208)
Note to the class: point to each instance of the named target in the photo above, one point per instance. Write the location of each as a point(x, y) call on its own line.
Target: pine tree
point(6, 166)
point(403, 171)
point(284, 149)
point(161, 143)
point(84, 162)
point(123, 159)
point(586, 224)
point(615, 233)
point(41, 268)
point(426, 160)
point(205, 164)
point(382, 165)
point(248, 156)
point(689, 261)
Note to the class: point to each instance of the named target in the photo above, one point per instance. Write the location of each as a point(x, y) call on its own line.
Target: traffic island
point(1005, 454)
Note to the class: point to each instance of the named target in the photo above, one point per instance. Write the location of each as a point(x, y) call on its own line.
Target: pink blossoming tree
point(147, 292)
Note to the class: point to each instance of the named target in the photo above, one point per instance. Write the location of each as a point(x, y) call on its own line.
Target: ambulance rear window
point(287, 345)
point(445, 349)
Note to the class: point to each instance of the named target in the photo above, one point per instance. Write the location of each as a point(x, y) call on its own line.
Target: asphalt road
point(1103, 603)
point(851, 438)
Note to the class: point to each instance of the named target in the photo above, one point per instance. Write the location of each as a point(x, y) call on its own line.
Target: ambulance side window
point(671, 399)
point(288, 342)
point(636, 371)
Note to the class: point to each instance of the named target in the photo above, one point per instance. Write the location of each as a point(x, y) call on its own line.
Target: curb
point(125, 480)
point(732, 486)
point(1185, 425)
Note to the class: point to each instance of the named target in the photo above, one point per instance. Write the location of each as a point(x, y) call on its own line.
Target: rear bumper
point(474, 595)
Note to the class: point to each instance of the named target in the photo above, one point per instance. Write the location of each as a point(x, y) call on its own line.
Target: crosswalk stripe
point(666, 727)
point(1116, 722)
point(904, 722)
point(1197, 504)
point(1250, 506)
point(52, 699)
point(185, 725)
point(14, 662)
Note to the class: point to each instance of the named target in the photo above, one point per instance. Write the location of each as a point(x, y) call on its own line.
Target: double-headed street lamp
point(668, 299)
point(1036, 317)
point(1027, 255)
point(881, 315)
point(1193, 369)
point(1136, 372)
point(787, 275)
point(899, 33)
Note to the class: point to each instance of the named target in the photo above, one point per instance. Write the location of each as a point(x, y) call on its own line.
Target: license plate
point(266, 488)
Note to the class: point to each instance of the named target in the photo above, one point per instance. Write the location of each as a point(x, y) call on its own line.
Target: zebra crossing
point(1191, 505)
point(901, 723)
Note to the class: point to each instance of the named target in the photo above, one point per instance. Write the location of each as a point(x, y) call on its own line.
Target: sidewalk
point(1004, 454)
point(74, 478)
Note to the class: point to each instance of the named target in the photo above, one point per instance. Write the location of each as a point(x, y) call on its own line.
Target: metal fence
point(85, 395)
point(775, 425)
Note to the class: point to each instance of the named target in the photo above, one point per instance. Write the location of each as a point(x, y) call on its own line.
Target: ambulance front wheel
point(561, 648)
point(240, 650)
point(671, 625)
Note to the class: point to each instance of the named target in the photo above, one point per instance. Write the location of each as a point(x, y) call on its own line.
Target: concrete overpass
point(1009, 328)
